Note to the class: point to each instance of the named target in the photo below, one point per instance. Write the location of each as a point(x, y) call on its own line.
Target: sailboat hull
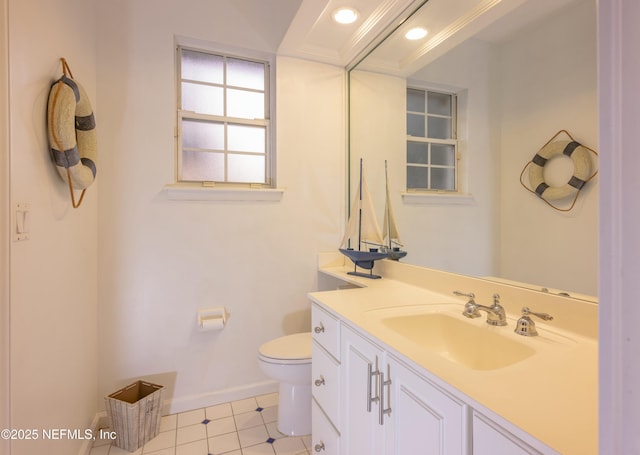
point(363, 259)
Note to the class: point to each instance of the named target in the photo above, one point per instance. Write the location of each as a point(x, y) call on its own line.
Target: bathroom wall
point(548, 82)
point(53, 283)
point(161, 260)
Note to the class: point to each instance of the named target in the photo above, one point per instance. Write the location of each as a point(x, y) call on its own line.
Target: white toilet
point(288, 359)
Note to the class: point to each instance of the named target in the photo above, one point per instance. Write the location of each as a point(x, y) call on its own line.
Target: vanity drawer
point(324, 437)
point(325, 375)
point(326, 330)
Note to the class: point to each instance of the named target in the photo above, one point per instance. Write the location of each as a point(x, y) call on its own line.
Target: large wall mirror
point(520, 72)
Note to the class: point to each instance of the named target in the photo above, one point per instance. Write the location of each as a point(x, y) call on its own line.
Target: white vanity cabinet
point(369, 400)
point(325, 376)
point(490, 438)
point(389, 409)
point(361, 360)
point(423, 418)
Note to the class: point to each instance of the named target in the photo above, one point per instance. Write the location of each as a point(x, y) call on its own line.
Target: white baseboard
point(204, 400)
point(188, 403)
point(94, 427)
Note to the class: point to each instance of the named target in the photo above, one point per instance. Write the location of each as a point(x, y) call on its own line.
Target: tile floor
point(244, 427)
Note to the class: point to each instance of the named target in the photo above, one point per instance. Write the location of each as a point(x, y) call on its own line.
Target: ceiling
point(313, 34)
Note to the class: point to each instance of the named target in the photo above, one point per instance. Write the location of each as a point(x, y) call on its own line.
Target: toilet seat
point(290, 349)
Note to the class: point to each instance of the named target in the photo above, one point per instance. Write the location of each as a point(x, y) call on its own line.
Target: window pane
point(200, 66)
point(243, 104)
point(246, 138)
point(439, 128)
point(439, 103)
point(202, 166)
point(203, 99)
point(443, 179)
point(415, 125)
point(241, 73)
point(246, 168)
point(417, 152)
point(443, 154)
point(202, 135)
point(415, 100)
point(417, 177)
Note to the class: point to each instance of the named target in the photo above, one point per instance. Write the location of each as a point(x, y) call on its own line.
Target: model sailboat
point(363, 228)
point(390, 232)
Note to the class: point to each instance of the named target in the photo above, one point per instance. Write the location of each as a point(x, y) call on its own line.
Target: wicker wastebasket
point(134, 413)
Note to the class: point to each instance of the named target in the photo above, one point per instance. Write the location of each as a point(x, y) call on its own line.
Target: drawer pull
point(320, 381)
point(370, 375)
point(382, 410)
point(319, 447)
point(319, 329)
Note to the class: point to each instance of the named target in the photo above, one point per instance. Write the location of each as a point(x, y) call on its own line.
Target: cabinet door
point(489, 438)
point(424, 420)
point(360, 432)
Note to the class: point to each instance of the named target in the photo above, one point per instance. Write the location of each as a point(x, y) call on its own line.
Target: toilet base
point(294, 409)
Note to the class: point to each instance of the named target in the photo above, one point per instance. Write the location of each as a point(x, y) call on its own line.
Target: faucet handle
point(470, 295)
point(525, 325)
point(543, 316)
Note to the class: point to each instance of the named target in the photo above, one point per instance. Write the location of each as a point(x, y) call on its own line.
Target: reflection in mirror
point(518, 72)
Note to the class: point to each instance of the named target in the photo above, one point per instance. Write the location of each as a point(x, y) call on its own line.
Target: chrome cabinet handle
point(319, 328)
point(382, 411)
point(319, 447)
point(370, 375)
point(319, 382)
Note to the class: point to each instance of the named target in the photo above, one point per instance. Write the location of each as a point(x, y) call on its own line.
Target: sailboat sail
point(362, 226)
point(390, 233)
point(364, 233)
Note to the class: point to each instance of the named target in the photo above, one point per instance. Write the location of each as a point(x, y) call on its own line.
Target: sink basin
point(459, 341)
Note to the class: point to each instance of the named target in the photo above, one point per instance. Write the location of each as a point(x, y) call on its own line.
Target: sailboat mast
point(360, 210)
point(388, 211)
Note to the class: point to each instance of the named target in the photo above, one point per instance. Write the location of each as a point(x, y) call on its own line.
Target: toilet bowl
point(288, 360)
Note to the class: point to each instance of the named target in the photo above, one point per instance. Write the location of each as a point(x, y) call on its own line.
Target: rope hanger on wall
point(72, 134)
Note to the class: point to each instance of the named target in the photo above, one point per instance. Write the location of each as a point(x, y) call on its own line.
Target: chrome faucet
point(495, 313)
point(525, 325)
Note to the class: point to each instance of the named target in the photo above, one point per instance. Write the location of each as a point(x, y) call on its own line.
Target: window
point(431, 141)
point(223, 119)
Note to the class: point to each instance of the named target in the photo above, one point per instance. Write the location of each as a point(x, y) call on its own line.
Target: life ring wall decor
point(583, 172)
point(72, 133)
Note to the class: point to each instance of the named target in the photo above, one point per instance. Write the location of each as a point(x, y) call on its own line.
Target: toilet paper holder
point(212, 319)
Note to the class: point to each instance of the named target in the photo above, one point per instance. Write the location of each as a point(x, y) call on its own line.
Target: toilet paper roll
point(212, 323)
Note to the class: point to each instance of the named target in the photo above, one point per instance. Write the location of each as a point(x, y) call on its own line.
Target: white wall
point(53, 275)
point(548, 82)
point(161, 260)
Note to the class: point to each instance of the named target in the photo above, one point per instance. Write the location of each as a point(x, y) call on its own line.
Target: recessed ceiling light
point(345, 15)
point(416, 33)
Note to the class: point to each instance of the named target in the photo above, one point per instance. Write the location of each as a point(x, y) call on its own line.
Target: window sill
point(196, 192)
point(419, 198)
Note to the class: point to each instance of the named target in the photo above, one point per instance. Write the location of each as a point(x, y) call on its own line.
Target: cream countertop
point(551, 395)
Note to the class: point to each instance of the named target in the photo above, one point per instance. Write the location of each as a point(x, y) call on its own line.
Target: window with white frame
point(431, 141)
point(223, 119)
